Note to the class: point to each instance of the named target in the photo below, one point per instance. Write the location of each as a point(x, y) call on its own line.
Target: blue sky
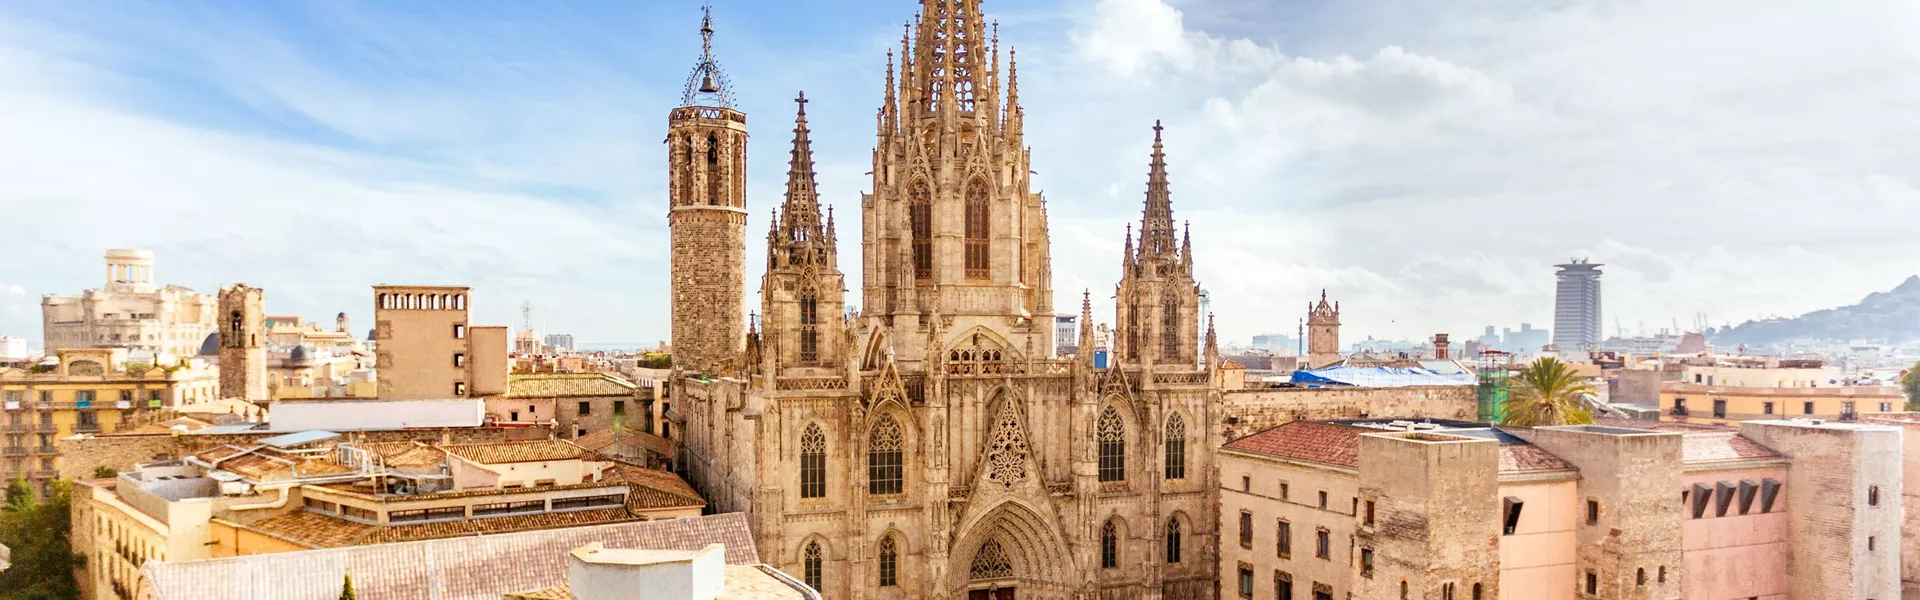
point(1427, 163)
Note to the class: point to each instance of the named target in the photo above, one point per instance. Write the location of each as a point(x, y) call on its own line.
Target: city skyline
point(322, 152)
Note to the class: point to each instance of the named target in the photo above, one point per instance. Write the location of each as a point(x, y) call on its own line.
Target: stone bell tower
point(243, 351)
point(1323, 333)
point(707, 172)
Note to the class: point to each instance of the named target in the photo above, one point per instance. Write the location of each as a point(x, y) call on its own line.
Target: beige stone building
point(243, 344)
point(1323, 333)
point(1627, 510)
point(931, 445)
point(310, 490)
point(130, 311)
point(425, 348)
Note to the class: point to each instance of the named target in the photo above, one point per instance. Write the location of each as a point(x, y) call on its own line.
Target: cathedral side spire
point(1156, 220)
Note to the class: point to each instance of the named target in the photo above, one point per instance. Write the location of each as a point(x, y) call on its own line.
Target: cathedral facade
point(930, 445)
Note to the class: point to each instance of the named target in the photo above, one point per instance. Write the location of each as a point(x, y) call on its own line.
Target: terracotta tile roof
point(565, 385)
point(1312, 441)
point(651, 489)
point(1717, 446)
point(267, 464)
point(493, 453)
point(316, 530)
point(407, 454)
point(600, 441)
point(460, 568)
point(1523, 458)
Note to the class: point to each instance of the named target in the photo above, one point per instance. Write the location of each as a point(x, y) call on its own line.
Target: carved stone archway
point(1031, 556)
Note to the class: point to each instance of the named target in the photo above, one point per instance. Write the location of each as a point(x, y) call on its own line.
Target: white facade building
point(129, 312)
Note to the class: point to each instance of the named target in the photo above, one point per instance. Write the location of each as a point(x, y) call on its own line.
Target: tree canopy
point(1547, 393)
point(36, 531)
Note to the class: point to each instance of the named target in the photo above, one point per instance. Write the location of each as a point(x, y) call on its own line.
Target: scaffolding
point(1495, 368)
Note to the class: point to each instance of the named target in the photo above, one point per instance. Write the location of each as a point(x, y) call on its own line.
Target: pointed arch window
point(978, 261)
point(813, 463)
point(810, 565)
point(1109, 546)
point(990, 562)
point(889, 562)
point(1111, 435)
point(1173, 541)
point(886, 458)
point(1176, 444)
point(716, 185)
point(1133, 329)
point(809, 325)
point(1170, 327)
point(920, 220)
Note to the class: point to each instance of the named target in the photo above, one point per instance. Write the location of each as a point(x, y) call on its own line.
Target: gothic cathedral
point(930, 445)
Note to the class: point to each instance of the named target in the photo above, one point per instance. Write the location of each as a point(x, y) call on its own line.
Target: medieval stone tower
point(707, 174)
point(1158, 302)
point(243, 353)
point(803, 294)
point(1323, 333)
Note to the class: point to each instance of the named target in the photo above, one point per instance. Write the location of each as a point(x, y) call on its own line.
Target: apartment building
point(1725, 394)
point(1631, 510)
point(89, 391)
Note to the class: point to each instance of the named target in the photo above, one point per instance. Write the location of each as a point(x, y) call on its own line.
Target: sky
point(1424, 162)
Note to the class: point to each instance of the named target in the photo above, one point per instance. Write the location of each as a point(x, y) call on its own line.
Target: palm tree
point(1547, 393)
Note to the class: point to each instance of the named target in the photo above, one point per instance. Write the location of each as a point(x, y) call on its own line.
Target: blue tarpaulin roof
point(1381, 377)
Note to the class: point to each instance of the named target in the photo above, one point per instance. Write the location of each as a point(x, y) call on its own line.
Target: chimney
point(1440, 346)
point(597, 573)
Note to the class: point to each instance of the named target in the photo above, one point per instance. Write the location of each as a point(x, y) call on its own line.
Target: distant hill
point(1890, 316)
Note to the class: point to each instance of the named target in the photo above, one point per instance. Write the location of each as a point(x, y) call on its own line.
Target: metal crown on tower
point(707, 85)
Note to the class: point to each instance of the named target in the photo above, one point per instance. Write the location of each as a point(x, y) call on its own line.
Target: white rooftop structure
point(374, 415)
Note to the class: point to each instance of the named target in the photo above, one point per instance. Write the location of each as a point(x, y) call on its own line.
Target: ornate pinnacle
point(707, 85)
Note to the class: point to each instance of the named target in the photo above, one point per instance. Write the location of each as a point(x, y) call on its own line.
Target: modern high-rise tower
point(707, 173)
point(1576, 306)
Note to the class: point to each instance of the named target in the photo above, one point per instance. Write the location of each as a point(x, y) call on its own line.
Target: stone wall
point(1249, 411)
point(82, 454)
point(1832, 510)
point(1426, 515)
point(1630, 479)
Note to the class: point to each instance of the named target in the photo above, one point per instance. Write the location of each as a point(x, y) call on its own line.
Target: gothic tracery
point(1007, 452)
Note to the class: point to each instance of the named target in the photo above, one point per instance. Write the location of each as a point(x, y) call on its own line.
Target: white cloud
point(1434, 178)
point(14, 290)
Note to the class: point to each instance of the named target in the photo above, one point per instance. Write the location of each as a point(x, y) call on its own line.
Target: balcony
point(1678, 411)
point(1849, 417)
point(20, 428)
point(47, 450)
point(15, 451)
point(13, 405)
point(123, 404)
point(86, 428)
point(43, 474)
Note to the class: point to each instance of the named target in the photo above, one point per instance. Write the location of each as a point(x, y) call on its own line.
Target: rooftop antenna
point(526, 315)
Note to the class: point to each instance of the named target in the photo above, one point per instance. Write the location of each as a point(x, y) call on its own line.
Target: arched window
point(809, 325)
point(886, 458)
point(1640, 577)
point(1403, 589)
point(1476, 591)
point(813, 463)
point(810, 565)
point(1173, 541)
point(1170, 327)
point(1111, 434)
point(920, 220)
point(1176, 447)
point(889, 563)
point(715, 183)
point(1109, 546)
point(990, 562)
point(237, 325)
point(978, 266)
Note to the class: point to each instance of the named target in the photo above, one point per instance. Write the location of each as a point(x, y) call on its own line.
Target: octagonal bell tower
point(707, 172)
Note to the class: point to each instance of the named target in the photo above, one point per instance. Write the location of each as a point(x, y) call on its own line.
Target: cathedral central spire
point(950, 56)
